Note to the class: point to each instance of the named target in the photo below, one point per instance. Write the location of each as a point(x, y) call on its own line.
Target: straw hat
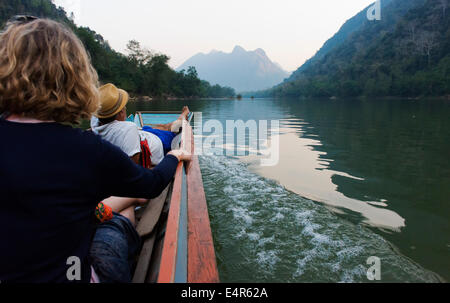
point(112, 101)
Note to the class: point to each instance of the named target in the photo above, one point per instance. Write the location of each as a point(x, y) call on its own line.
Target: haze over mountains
point(140, 72)
point(405, 54)
point(242, 70)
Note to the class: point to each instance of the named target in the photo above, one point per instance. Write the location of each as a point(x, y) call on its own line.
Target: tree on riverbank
point(141, 72)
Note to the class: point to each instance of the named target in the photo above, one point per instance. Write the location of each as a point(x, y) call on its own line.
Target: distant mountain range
point(405, 54)
point(242, 70)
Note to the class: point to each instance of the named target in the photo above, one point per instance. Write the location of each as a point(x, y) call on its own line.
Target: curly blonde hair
point(45, 73)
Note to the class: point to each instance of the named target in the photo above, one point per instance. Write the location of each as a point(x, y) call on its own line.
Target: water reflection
point(379, 162)
point(305, 171)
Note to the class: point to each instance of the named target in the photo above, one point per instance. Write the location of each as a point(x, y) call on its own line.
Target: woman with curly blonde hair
point(45, 73)
point(53, 176)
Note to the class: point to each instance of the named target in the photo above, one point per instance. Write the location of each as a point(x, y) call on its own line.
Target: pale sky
point(290, 31)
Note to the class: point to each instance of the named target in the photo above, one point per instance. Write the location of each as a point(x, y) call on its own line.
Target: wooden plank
point(151, 215)
point(168, 260)
point(145, 228)
point(161, 112)
point(155, 262)
point(187, 138)
point(192, 140)
point(202, 265)
point(191, 115)
point(181, 263)
point(187, 142)
point(144, 260)
point(140, 119)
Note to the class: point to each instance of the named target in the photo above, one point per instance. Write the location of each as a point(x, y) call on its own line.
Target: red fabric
point(146, 155)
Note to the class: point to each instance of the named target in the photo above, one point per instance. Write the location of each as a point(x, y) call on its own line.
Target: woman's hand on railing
point(181, 154)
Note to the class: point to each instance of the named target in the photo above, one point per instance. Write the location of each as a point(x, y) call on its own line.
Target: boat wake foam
point(265, 233)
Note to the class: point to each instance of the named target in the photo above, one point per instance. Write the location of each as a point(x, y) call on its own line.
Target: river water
point(355, 179)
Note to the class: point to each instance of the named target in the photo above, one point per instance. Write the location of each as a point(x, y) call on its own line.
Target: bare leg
point(130, 215)
point(168, 127)
point(120, 204)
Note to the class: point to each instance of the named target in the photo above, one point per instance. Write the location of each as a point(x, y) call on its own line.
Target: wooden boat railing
point(186, 254)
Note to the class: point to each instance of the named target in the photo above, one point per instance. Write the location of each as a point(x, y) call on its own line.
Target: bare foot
point(176, 125)
point(185, 112)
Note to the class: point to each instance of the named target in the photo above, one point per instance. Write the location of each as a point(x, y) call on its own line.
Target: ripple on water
point(264, 233)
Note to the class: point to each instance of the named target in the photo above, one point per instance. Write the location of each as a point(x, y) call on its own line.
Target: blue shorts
point(165, 136)
point(114, 249)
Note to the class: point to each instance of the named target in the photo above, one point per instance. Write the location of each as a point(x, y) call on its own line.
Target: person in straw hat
point(110, 123)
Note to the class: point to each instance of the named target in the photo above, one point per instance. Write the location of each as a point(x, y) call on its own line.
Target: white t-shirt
point(127, 137)
point(124, 135)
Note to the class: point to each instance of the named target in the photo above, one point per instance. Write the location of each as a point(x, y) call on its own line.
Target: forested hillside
point(349, 27)
point(405, 54)
point(140, 72)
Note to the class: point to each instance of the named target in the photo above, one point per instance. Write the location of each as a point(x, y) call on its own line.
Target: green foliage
point(406, 54)
point(140, 73)
point(38, 8)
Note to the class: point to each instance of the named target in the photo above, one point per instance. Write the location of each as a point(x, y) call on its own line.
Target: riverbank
point(149, 99)
point(361, 98)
